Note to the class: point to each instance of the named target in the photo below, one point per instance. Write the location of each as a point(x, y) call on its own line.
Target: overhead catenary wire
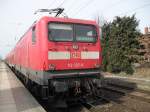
point(51, 4)
point(83, 7)
point(113, 4)
point(140, 7)
point(88, 3)
point(62, 3)
point(71, 5)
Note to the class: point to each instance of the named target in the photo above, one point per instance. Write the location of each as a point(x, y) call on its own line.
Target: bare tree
point(100, 21)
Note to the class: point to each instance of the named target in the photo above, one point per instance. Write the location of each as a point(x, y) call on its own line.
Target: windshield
point(85, 33)
point(60, 32)
point(71, 32)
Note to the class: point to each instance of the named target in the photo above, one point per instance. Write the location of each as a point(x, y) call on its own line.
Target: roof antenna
point(57, 11)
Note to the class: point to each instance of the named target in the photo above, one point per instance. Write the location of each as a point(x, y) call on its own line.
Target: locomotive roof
point(67, 20)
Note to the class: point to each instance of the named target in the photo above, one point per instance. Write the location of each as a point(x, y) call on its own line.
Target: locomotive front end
point(73, 46)
point(74, 58)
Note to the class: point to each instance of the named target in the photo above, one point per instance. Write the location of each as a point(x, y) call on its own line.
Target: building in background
point(144, 50)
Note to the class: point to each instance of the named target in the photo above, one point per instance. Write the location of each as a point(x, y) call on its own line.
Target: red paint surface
point(35, 55)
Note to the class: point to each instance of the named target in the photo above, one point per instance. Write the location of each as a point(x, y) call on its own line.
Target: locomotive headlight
point(52, 66)
point(97, 65)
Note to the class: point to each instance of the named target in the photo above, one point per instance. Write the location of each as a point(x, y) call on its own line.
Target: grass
point(138, 73)
point(142, 73)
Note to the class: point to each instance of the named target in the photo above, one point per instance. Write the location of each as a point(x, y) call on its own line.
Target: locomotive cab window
point(33, 35)
point(60, 32)
point(71, 32)
point(85, 33)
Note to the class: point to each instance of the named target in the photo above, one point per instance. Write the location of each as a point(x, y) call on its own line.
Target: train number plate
point(75, 65)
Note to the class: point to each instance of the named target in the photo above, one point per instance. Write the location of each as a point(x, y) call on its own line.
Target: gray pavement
point(14, 97)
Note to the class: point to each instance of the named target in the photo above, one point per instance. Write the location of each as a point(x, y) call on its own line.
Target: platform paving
point(14, 97)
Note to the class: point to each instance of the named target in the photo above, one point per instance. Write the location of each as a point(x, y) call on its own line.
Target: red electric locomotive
point(59, 56)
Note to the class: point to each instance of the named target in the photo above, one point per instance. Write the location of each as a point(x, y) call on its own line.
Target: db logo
point(76, 55)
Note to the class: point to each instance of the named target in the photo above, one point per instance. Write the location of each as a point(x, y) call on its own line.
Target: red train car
point(59, 53)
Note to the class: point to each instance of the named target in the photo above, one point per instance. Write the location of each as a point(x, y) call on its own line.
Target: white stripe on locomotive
point(65, 55)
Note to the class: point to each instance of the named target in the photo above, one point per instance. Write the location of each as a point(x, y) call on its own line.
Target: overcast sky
point(17, 15)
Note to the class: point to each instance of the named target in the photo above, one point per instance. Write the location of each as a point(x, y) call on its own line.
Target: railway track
point(111, 106)
point(121, 99)
point(113, 98)
point(127, 98)
point(141, 95)
point(127, 88)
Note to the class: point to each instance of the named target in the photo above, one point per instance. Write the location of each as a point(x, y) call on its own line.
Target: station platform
point(14, 97)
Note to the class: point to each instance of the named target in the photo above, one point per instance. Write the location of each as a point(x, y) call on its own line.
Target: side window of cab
point(33, 35)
